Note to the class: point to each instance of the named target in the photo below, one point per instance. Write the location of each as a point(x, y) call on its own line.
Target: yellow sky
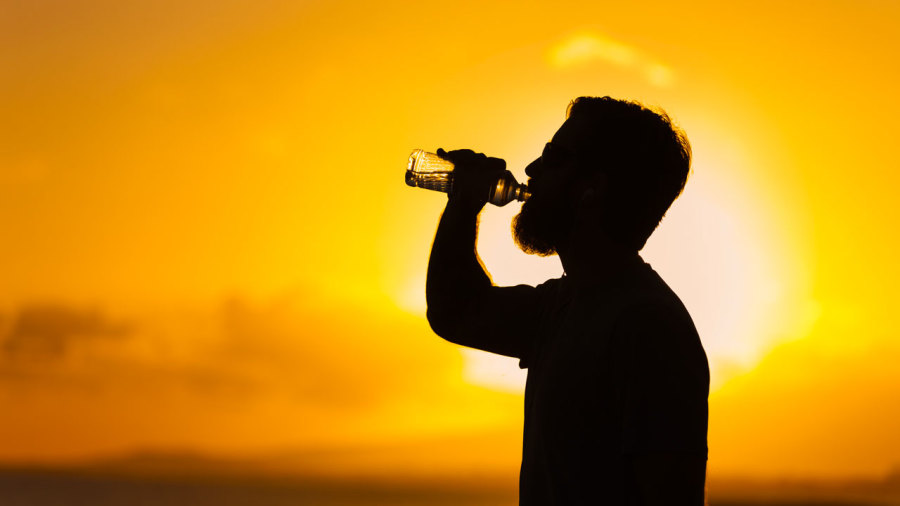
point(207, 244)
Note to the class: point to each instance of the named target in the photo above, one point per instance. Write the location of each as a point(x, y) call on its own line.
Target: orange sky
point(207, 244)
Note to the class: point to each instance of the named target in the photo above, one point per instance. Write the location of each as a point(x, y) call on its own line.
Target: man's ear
point(595, 187)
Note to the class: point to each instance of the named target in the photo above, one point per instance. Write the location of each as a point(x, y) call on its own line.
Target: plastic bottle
point(429, 171)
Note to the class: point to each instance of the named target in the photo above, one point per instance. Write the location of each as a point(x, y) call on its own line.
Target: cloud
point(231, 376)
point(49, 331)
point(334, 356)
point(587, 48)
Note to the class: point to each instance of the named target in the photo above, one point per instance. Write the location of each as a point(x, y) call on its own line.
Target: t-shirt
point(613, 370)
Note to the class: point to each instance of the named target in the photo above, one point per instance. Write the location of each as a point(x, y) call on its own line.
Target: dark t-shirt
point(614, 370)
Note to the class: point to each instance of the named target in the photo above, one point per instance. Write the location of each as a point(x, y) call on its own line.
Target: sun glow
point(220, 182)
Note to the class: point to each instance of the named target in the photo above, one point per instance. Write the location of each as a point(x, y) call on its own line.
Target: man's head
point(615, 163)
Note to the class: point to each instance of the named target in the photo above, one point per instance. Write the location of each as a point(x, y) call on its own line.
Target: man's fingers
point(497, 164)
point(470, 160)
point(458, 156)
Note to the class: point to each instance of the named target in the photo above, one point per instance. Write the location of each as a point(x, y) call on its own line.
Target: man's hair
point(646, 160)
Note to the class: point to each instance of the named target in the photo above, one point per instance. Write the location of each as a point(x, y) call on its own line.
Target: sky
point(207, 246)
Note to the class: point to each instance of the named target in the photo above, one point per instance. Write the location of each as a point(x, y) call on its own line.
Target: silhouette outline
point(616, 396)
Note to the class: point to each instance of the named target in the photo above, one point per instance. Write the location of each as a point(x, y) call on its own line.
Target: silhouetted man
point(616, 396)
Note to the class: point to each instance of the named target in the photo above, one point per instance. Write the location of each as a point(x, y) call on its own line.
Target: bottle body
point(429, 171)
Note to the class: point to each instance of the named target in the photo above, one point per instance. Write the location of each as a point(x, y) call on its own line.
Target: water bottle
point(429, 171)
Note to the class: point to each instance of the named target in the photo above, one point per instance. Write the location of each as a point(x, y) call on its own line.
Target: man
point(616, 396)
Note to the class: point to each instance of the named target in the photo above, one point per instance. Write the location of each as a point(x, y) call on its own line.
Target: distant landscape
point(183, 480)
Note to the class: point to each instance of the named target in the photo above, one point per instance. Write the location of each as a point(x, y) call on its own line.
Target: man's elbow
point(442, 322)
point(455, 318)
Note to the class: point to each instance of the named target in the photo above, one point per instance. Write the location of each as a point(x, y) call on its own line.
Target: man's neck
point(595, 259)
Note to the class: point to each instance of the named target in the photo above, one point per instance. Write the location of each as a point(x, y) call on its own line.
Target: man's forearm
point(455, 274)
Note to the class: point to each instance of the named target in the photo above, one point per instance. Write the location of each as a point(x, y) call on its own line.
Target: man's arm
point(455, 275)
point(463, 305)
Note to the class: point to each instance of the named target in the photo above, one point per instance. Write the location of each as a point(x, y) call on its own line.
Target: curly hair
point(646, 160)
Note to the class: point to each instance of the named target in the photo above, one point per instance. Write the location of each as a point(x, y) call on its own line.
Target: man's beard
point(538, 227)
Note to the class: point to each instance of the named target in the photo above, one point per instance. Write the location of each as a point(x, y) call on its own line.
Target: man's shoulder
point(642, 290)
point(532, 300)
point(554, 283)
point(653, 314)
point(553, 288)
point(650, 293)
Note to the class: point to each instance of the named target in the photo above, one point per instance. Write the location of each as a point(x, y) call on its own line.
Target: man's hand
point(474, 176)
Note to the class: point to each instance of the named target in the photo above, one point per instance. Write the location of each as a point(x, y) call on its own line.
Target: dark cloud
point(335, 357)
point(49, 331)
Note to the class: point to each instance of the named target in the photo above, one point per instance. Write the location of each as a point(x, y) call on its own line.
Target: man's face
point(547, 216)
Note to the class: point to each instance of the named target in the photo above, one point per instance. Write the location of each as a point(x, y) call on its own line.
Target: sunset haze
point(208, 248)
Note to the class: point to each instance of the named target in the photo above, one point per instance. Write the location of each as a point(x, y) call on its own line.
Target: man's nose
point(534, 168)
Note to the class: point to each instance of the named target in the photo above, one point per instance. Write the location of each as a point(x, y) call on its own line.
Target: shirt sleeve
point(665, 380)
point(504, 320)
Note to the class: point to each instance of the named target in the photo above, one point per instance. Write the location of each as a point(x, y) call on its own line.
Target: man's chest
point(579, 365)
